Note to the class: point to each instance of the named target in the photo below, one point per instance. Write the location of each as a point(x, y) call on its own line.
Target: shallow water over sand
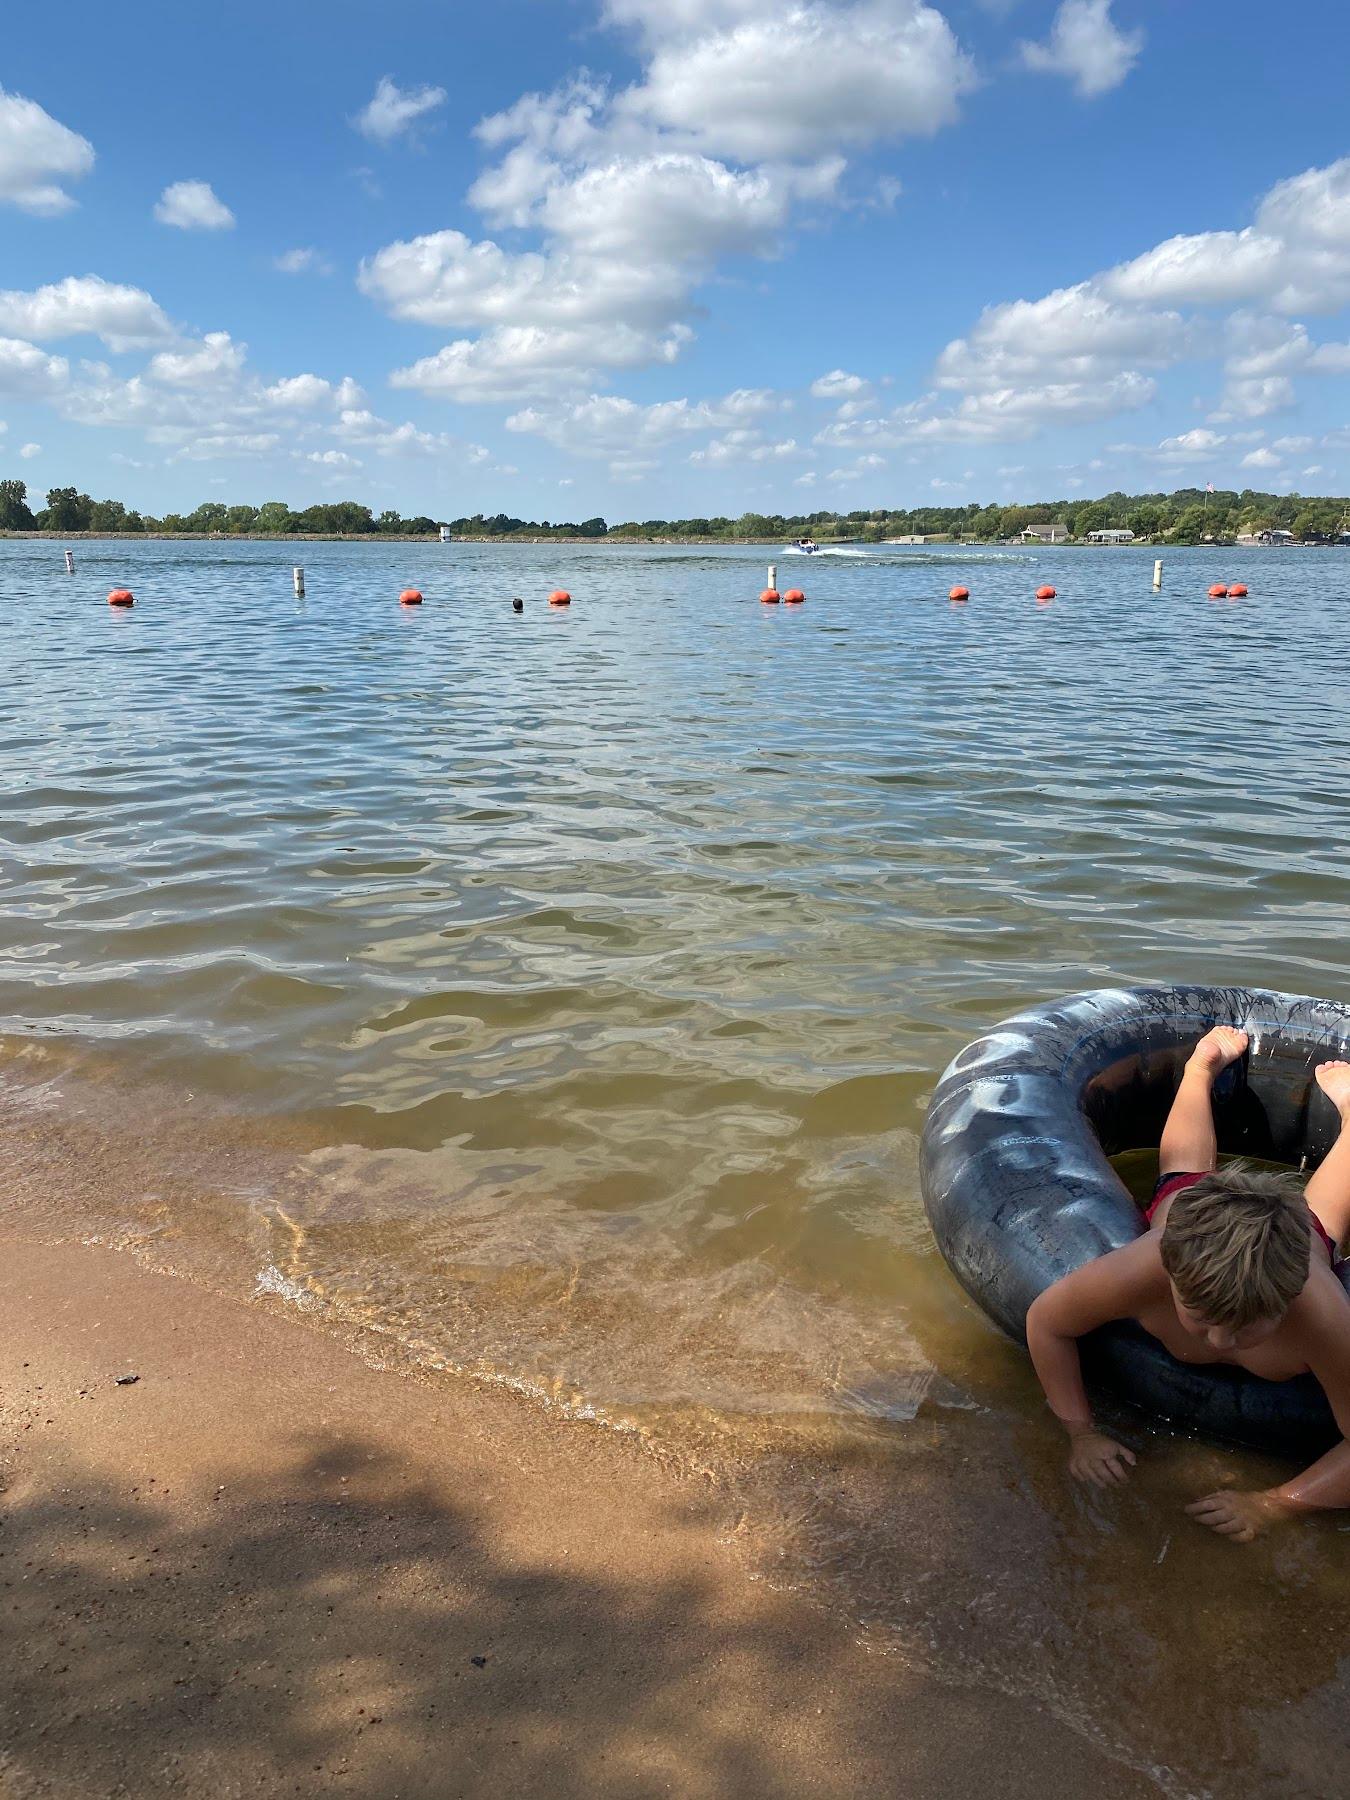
point(559, 995)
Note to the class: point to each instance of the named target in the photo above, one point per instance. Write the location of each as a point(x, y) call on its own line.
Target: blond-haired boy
point(1235, 1267)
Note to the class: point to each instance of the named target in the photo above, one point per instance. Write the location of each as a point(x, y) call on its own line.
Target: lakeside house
point(1045, 534)
point(1110, 537)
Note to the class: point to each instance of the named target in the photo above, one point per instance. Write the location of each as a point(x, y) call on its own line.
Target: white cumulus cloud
point(333, 459)
point(304, 260)
point(193, 206)
point(608, 424)
point(516, 361)
point(126, 318)
point(1074, 333)
point(839, 385)
point(995, 415)
point(1083, 350)
point(627, 241)
point(1086, 46)
point(393, 109)
point(745, 445)
point(1294, 257)
point(27, 373)
point(28, 451)
point(762, 82)
point(38, 156)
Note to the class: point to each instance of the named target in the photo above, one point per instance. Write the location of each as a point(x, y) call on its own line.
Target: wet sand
point(268, 1566)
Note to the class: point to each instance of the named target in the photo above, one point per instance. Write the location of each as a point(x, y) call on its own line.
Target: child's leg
point(1188, 1140)
point(1328, 1192)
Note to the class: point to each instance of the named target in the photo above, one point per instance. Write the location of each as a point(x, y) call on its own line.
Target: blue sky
point(654, 258)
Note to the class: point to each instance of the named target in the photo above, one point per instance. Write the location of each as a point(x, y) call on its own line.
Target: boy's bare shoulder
point(1117, 1285)
point(1323, 1308)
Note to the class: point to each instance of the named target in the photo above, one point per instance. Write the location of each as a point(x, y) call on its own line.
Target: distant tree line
point(69, 510)
point(1187, 516)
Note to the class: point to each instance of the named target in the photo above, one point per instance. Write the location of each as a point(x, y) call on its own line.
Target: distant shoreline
point(375, 537)
point(935, 542)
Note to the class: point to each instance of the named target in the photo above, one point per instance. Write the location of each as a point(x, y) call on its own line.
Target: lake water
point(558, 996)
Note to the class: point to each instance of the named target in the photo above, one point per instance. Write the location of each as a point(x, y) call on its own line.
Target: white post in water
point(773, 576)
point(1157, 576)
point(298, 576)
point(70, 562)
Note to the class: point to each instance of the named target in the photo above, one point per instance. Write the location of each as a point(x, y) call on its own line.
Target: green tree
point(68, 510)
point(1094, 516)
point(15, 512)
point(107, 516)
point(1192, 525)
point(1145, 519)
point(274, 515)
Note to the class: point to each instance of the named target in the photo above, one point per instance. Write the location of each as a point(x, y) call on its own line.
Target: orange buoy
point(410, 597)
point(1045, 593)
point(560, 597)
point(793, 597)
point(1237, 591)
point(770, 597)
point(1219, 591)
point(959, 593)
point(121, 597)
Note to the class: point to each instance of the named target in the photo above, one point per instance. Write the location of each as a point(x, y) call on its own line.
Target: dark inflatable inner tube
point(1019, 1191)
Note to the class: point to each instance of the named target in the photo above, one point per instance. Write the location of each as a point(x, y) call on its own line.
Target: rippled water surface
point(559, 994)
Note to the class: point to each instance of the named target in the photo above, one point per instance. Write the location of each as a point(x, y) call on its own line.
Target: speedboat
point(806, 545)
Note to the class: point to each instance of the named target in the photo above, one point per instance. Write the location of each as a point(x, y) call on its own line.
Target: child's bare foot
point(1334, 1080)
point(1217, 1048)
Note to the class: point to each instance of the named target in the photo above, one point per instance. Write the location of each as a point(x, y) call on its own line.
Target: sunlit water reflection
point(559, 995)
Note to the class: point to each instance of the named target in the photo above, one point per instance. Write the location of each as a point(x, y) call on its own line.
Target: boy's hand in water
point(1239, 1516)
point(1096, 1458)
point(1217, 1048)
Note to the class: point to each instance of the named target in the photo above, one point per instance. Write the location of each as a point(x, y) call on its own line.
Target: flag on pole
point(1209, 487)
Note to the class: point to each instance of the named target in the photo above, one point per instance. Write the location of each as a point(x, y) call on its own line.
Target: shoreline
point(270, 1564)
point(935, 542)
point(396, 537)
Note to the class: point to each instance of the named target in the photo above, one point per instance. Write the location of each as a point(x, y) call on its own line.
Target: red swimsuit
point(1169, 1185)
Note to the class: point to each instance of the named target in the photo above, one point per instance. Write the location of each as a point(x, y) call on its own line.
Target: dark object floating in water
point(1019, 1191)
point(517, 606)
point(127, 1380)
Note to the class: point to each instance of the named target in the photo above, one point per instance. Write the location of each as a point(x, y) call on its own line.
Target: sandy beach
point(268, 1567)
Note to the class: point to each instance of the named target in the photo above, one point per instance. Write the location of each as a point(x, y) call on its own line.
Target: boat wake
point(833, 550)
